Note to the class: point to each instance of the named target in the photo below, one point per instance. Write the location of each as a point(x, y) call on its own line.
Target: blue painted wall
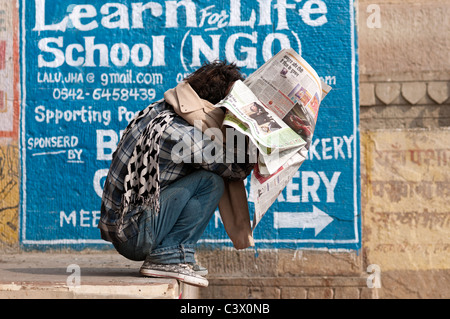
point(87, 66)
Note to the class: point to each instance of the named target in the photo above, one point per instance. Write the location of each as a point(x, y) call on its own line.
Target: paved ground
point(81, 275)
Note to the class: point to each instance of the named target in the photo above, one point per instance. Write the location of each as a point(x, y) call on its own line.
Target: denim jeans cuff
point(180, 254)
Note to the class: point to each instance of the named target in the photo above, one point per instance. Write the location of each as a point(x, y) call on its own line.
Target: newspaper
point(275, 140)
point(277, 108)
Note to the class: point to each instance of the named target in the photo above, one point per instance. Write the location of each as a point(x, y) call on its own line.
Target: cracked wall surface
point(9, 193)
point(9, 116)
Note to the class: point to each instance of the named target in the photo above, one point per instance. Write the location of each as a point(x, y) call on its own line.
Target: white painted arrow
point(317, 220)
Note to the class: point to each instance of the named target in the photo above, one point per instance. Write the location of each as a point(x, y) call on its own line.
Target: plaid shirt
point(171, 167)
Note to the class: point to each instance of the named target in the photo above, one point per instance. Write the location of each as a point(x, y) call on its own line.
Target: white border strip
point(65, 242)
point(275, 241)
point(24, 98)
point(355, 124)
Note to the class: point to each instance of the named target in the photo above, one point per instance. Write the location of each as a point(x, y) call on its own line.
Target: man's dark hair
point(213, 79)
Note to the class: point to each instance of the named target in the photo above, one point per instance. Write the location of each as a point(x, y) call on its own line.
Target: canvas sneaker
point(199, 270)
point(182, 272)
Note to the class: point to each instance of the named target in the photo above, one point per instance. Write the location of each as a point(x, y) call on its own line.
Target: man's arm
point(194, 148)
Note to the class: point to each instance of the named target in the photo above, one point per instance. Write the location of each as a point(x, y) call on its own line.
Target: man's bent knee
point(216, 182)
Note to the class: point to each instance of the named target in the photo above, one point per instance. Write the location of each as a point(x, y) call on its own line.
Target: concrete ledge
point(82, 275)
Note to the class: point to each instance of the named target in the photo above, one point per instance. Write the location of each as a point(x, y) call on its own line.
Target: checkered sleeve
point(191, 147)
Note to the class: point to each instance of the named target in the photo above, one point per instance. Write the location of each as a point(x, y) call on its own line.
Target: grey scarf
point(141, 183)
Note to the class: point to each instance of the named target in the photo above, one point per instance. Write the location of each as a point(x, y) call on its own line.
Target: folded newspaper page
point(289, 86)
point(271, 135)
point(277, 108)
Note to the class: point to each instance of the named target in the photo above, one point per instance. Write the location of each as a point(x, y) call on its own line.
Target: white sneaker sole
point(194, 281)
point(201, 272)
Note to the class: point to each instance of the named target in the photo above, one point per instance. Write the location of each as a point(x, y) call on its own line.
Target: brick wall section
point(285, 274)
point(290, 288)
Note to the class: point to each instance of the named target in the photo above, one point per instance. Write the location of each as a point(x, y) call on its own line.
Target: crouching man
point(156, 207)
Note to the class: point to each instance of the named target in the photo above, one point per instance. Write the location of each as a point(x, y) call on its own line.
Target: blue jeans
point(186, 206)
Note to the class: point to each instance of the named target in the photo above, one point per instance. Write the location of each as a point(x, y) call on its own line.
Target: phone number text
point(105, 94)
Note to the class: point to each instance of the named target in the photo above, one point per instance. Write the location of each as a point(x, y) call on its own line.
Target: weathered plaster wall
point(9, 120)
point(404, 65)
point(405, 116)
